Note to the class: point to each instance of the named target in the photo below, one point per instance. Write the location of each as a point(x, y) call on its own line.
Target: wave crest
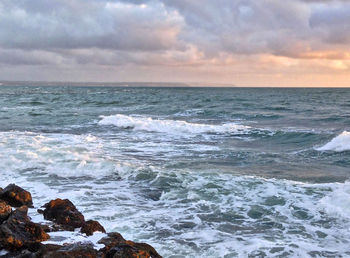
point(169, 126)
point(339, 143)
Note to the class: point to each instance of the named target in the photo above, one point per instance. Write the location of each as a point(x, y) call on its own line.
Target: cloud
point(54, 24)
point(334, 22)
point(295, 35)
point(240, 27)
point(15, 57)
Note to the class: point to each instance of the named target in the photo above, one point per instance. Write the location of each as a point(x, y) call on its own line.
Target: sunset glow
point(242, 43)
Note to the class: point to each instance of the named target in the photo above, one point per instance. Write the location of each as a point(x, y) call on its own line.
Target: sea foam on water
point(339, 143)
point(169, 126)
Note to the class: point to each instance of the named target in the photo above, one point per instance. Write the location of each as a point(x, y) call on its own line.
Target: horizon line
point(145, 84)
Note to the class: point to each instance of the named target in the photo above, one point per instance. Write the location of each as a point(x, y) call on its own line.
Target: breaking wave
point(170, 126)
point(339, 143)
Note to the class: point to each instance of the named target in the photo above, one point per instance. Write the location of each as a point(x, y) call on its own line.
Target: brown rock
point(78, 250)
point(19, 232)
point(5, 211)
point(144, 248)
point(16, 196)
point(111, 240)
point(21, 237)
point(55, 251)
point(92, 226)
point(64, 212)
point(117, 246)
point(124, 250)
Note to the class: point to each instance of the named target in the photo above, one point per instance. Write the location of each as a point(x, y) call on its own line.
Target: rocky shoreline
point(20, 237)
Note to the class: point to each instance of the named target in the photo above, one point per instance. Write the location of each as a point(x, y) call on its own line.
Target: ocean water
point(196, 172)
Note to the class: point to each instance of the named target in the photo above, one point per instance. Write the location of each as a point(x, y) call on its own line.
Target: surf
point(339, 143)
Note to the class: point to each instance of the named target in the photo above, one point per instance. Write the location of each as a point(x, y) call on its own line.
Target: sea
point(195, 172)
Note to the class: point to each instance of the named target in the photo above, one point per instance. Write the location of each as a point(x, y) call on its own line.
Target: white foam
point(174, 127)
point(187, 197)
point(3, 252)
point(337, 203)
point(71, 237)
point(191, 200)
point(339, 143)
point(62, 154)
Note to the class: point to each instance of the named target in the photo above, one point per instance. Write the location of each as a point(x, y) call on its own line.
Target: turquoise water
point(215, 172)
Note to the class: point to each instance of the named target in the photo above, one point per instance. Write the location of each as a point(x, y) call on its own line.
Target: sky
point(239, 42)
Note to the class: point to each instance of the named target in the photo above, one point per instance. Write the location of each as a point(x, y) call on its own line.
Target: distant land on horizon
point(112, 84)
point(146, 84)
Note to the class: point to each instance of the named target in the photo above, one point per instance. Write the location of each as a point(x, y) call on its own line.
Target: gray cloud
point(247, 27)
point(154, 32)
point(334, 22)
point(15, 57)
point(52, 24)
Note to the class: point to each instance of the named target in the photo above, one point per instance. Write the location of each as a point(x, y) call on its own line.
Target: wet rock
point(5, 211)
point(22, 238)
point(19, 254)
point(19, 232)
point(77, 250)
point(92, 226)
point(50, 250)
point(16, 196)
point(64, 213)
point(111, 240)
point(124, 250)
point(144, 248)
point(117, 246)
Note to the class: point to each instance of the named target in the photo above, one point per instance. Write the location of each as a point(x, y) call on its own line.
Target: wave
point(170, 126)
point(64, 155)
point(337, 203)
point(339, 143)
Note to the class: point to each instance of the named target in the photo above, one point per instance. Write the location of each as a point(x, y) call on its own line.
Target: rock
point(92, 226)
point(55, 251)
point(144, 248)
point(22, 238)
point(111, 240)
point(117, 246)
point(19, 232)
point(124, 250)
point(64, 213)
point(77, 250)
point(19, 254)
point(16, 196)
point(5, 211)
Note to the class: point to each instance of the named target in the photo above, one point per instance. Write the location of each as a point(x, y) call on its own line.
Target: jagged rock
point(111, 240)
point(92, 226)
point(19, 232)
point(124, 250)
point(16, 196)
point(5, 211)
point(55, 251)
point(77, 250)
point(19, 254)
point(22, 237)
point(64, 213)
point(144, 248)
point(117, 246)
